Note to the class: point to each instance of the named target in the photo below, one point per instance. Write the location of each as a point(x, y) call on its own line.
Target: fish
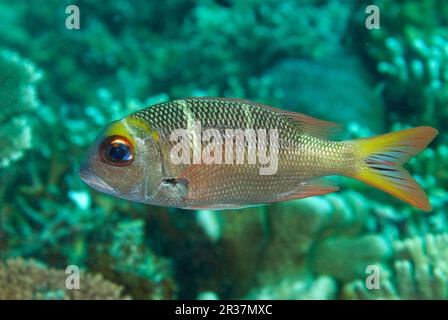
point(227, 153)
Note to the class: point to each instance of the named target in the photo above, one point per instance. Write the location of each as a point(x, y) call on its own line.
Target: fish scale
point(301, 157)
point(141, 168)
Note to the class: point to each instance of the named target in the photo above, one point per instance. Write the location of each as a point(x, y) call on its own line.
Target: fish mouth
point(94, 181)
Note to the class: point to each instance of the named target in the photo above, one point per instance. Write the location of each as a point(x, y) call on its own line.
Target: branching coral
point(17, 102)
point(346, 258)
point(127, 259)
point(419, 271)
point(176, 54)
point(301, 241)
point(48, 213)
point(432, 168)
point(47, 206)
point(26, 280)
point(411, 52)
point(286, 28)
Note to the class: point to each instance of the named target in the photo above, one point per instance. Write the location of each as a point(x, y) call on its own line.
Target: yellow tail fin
point(382, 159)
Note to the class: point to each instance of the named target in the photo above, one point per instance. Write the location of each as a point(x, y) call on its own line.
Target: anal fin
point(309, 188)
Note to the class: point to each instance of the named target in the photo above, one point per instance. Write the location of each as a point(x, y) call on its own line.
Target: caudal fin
point(382, 159)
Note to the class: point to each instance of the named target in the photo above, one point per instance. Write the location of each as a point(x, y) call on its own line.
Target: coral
point(432, 170)
point(297, 288)
point(47, 206)
point(419, 271)
point(27, 279)
point(47, 212)
point(207, 295)
point(235, 241)
point(18, 101)
point(410, 50)
point(293, 54)
point(275, 27)
point(271, 250)
point(127, 259)
point(346, 258)
point(179, 57)
point(257, 247)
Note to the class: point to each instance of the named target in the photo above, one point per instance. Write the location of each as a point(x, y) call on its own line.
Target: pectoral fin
point(172, 190)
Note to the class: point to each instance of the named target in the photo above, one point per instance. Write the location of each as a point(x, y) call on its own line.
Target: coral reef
point(17, 101)
point(126, 259)
point(60, 87)
point(280, 251)
point(419, 271)
point(155, 56)
point(298, 288)
point(347, 258)
point(30, 280)
point(410, 50)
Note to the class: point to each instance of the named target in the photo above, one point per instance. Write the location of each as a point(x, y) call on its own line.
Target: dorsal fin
point(313, 126)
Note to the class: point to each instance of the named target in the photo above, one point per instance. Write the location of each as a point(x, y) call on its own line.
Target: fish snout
point(90, 178)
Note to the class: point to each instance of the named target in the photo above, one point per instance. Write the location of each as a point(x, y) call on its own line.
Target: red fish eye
point(117, 151)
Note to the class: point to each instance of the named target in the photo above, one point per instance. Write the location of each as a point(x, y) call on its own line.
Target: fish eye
point(117, 151)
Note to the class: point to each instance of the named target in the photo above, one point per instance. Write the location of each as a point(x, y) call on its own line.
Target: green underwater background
point(59, 87)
